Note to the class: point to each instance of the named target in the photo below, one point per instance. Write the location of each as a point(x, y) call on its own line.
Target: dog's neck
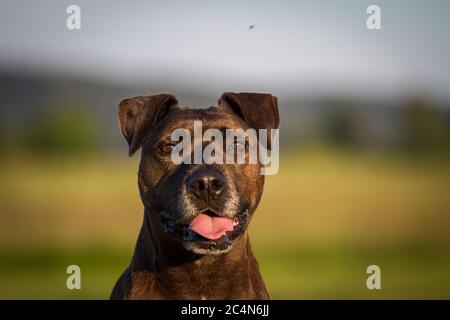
point(163, 261)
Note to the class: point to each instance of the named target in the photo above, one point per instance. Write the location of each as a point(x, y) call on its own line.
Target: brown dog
point(193, 243)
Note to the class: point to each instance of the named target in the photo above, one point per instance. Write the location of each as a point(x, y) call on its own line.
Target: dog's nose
point(206, 185)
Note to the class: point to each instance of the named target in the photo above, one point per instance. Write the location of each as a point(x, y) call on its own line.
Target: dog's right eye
point(167, 148)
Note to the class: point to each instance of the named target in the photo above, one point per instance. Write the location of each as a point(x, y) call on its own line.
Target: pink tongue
point(211, 227)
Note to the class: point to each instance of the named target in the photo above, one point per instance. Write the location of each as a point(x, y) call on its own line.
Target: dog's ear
point(138, 115)
point(258, 110)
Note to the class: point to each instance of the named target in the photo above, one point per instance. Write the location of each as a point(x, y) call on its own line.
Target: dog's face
point(204, 206)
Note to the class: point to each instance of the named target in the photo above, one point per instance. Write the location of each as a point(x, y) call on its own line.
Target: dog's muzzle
point(206, 215)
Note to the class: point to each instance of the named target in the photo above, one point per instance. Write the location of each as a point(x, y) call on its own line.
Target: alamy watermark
point(373, 21)
point(374, 280)
point(73, 21)
point(227, 146)
point(74, 280)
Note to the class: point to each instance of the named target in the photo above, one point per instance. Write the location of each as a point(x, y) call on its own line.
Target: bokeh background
point(365, 137)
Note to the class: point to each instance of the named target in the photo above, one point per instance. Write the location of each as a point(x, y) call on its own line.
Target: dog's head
point(204, 206)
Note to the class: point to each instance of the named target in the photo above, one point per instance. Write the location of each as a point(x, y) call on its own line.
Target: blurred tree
point(347, 125)
point(2, 139)
point(68, 128)
point(426, 128)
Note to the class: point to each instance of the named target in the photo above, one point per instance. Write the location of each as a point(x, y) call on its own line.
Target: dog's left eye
point(167, 148)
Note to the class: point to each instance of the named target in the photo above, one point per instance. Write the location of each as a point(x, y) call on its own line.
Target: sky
point(292, 48)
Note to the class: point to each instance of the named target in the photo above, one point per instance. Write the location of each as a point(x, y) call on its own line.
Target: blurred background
point(365, 137)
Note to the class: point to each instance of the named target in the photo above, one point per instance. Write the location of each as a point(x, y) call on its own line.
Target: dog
point(193, 243)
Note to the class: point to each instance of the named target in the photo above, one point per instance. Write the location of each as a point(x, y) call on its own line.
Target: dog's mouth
point(207, 233)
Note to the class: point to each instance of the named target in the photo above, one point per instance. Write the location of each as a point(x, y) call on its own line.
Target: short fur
point(170, 266)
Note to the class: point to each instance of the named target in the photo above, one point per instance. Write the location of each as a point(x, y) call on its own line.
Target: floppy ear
point(138, 115)
point(258, 110)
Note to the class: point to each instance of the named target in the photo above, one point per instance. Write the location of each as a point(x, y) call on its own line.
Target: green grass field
point(323, 219)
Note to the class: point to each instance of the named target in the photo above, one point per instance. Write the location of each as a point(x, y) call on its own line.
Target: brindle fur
point(162, 267)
